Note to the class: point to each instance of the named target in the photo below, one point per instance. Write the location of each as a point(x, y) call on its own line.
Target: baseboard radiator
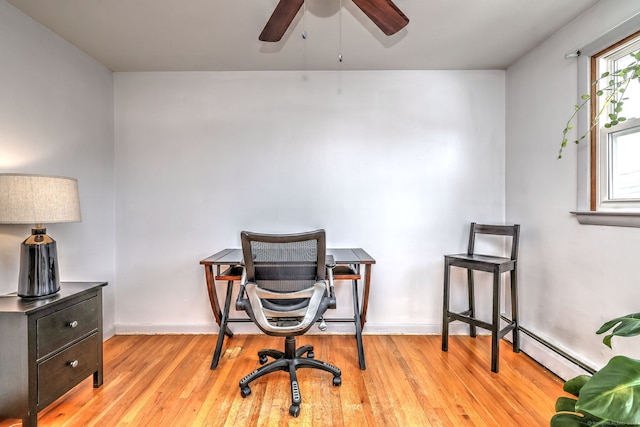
point(555, 349)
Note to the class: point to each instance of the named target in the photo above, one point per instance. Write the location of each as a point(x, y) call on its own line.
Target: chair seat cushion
point(284, 305)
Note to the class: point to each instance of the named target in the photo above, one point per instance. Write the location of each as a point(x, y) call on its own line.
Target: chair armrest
point(332, 295)
point(330, 261)
point(241, 300)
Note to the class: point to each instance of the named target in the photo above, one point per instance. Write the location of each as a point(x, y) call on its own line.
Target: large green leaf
point(569, 420)
point(567, 415)
point(613, 393)
point(572, 419)
point(628, 326)
point(574, 385)
point(566, 404)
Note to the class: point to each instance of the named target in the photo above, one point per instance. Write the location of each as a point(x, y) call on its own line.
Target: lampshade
point(38, 199)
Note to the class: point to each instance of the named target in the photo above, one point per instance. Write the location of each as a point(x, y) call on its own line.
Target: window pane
point(624, 170)
point(631, 106)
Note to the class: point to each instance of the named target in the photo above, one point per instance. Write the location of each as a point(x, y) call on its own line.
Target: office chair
point(284, 292)
point(496, 265)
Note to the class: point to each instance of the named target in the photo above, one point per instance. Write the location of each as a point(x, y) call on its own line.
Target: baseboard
point(416, 329)
point(108, 333)
point(333, 328)
point(157, 329)
point(553, 358)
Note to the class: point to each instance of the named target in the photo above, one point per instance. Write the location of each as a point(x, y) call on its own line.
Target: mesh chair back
point(284, 263)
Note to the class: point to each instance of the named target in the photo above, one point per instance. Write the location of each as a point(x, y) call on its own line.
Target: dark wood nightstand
point(48, 346)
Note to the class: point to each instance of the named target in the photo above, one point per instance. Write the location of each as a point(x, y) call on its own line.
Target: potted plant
point(611, 396)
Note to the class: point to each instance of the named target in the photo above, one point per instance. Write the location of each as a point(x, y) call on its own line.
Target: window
point(605, 196)
point(615, 141)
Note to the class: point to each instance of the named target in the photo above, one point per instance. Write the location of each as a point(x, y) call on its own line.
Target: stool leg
point(495, 323)
point(515, 334)
point(472, 302)
point(445, 307)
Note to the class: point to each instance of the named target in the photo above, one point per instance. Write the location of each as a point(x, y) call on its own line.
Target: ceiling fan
point(384, 13)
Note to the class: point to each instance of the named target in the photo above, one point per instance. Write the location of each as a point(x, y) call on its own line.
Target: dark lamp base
point(38, 276)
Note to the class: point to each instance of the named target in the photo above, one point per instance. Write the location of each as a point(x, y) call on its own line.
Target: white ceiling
point(181, 35)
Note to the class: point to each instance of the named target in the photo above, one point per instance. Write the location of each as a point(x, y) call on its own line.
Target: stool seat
point(496, 265)
point(481, 262)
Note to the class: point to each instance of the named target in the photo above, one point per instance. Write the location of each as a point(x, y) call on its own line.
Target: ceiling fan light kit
point(383, 13)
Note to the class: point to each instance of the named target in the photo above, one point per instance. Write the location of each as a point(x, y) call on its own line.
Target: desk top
point(340, 255)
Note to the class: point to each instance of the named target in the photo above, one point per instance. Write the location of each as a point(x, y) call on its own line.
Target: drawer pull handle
point(73, 364)
point(73, 324)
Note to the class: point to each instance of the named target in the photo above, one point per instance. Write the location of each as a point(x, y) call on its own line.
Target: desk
point(348, 262)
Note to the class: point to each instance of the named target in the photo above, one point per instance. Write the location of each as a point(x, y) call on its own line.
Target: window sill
point(616, 219)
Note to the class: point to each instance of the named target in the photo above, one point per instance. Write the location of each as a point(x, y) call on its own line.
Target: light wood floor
point(165, 380)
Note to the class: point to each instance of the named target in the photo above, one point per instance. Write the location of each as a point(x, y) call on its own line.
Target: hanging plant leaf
point(616, 85)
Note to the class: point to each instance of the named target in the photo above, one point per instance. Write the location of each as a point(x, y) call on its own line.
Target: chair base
point(289, 360)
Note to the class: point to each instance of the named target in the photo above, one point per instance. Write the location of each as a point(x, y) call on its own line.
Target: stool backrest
point(512, 231)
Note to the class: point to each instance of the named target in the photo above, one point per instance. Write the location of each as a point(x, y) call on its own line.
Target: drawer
point(63, 371)
point(65, 326)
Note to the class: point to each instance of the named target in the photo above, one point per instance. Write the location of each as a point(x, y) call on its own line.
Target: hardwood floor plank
point(165, 380)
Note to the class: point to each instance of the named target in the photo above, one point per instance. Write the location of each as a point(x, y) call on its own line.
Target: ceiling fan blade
point(385, 14)
point(280, 20)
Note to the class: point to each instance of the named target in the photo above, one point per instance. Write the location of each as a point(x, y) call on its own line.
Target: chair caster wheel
point(294, 410)
point(246, 391)
point(263, 359)
point(311, 354)
point(337, 381)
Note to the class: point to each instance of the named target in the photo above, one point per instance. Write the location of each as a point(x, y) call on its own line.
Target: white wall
point(56, 117)
point(395, 162)
point(572, 277)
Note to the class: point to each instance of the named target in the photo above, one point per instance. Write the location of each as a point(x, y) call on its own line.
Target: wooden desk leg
point(356, 312)
point(365, 297)
point(213, 298)
point(223, 326)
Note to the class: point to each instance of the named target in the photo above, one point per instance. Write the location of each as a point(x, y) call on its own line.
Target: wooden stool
point(492, 264)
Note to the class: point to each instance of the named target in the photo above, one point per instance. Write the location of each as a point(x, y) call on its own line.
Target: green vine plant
point(614, 91)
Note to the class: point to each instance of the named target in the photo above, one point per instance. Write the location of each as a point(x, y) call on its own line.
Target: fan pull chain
point(304, 20)
point(340, 34)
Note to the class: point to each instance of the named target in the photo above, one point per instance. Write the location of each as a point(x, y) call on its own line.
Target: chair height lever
point(323, 325)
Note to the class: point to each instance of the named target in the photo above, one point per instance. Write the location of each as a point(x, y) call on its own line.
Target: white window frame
point(584, 212)
point(605, 201)
point(603, 198)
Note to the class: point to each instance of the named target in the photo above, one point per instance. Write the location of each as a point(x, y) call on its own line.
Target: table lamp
point(38, 199)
